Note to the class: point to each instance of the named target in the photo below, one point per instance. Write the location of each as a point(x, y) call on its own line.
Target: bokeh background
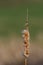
point(12, 19)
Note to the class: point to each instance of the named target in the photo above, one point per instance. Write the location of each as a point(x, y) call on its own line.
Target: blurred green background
point(13, 15)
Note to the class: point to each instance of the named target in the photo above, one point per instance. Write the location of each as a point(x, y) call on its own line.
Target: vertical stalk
point(25, 61)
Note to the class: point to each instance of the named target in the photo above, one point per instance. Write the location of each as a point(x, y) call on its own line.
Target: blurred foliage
point(12, 18)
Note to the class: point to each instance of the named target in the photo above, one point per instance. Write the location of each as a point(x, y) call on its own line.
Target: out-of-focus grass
point(12, 19)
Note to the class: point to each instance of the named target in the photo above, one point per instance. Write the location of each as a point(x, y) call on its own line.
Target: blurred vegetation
point(13, 16)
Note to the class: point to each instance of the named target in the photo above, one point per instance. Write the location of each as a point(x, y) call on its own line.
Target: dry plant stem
point(25, 61)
